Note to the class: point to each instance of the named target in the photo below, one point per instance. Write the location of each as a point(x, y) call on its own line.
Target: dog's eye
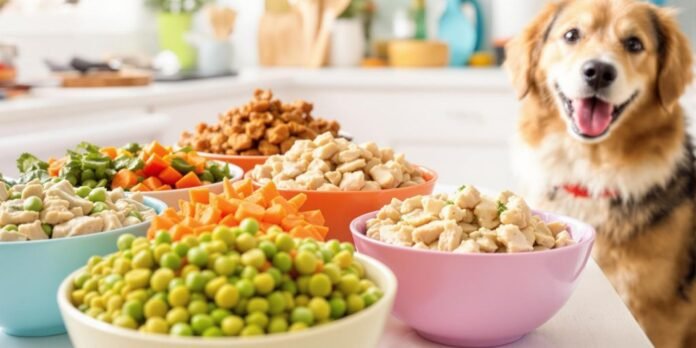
point(572, 36)
point(633, 45)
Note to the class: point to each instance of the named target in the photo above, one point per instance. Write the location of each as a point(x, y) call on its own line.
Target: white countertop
point(53, 101)
point(593, 317)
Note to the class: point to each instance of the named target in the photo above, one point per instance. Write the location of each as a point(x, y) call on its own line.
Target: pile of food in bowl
point(36, 211)
point(231, 282)
point(467, 222)
point(262, 127)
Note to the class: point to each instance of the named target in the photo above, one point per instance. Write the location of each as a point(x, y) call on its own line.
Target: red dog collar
point(579, 191)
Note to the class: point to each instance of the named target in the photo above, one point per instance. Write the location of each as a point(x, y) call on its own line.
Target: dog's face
point(598, 61)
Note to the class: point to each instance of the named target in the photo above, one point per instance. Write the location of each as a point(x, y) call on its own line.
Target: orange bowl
point(341, 207)
point(247, 163)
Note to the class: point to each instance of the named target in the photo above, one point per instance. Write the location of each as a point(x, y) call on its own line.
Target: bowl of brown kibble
point(247, 135)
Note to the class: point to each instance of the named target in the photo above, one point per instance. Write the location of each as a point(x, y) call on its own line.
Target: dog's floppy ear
point(674, 58)
point(522, 52)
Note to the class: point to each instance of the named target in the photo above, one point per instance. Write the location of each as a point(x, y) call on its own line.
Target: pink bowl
point(480, 300)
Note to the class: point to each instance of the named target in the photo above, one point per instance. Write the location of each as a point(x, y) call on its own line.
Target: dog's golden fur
point(646, 233)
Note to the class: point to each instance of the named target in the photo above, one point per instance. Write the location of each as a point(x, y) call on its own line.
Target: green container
point(172, 29)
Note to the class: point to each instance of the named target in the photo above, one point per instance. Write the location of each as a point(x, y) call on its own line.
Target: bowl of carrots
point(203, 210)
point(155, 170)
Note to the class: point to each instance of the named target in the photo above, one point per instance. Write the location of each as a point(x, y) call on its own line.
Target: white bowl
point(171, 197)
point(361, 330)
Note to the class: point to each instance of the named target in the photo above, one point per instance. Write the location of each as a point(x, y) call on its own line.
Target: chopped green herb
point(461, 188)
point(501, 207)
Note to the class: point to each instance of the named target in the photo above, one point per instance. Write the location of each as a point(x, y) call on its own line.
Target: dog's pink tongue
point(592, 116)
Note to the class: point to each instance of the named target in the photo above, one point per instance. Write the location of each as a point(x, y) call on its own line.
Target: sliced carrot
point(163, 188)
point(154, 165)
point(199, 195)
point(229, 189)
point(243, 188)
point(169, 176)
point(249, 210)
point(186, 209)
point(205, 228)
point(280, 200)
point(197, 161)
point(229, 221)
point(140, 187)
point(189, 180)
point(161, 222)
point(291, 221)
point(109, 151)
point(227, 206)
point(268, 191)
point(275, 214)
point(298, 200)
point(55, 165)
point(156, 148)
point(257, 198)
point(125, 179)
point(180, 231)
point(152, 183)
point(190, 222)
point(322, 230)
point(171, 214)
point(314, 217)
point(210, 216)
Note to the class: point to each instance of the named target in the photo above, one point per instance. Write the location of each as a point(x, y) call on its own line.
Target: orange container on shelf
point(341, 207)
point(247, 163)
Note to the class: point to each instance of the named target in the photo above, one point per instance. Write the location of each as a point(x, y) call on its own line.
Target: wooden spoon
point(222, 20)
point(331, 9)
point(309, 9)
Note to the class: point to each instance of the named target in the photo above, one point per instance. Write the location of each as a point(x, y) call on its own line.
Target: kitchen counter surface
point(46, 102)
point(593, 317)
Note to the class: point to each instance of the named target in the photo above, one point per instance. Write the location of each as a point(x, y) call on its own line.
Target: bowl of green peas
point(228, 287)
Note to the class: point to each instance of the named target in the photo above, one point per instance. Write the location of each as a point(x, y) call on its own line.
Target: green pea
point(171, 260)
point(72, 179)
point(225, 234)
point(156, 325)
point(333, 272)
point(254, 258)
point(251, 330)
point(264, 283)
point(320, 308)
point(97, 195)
point(33, 203)
point(83, 191)
point(219, 315)
point(160, 250)
point(10, 227)
point(349, 284)
point(179, 296)
point(333, 245)
point(245, 287)
point(180, 249)
point(320, 285)
point(86, 174)
point(290, 287)
point(275, 273)
point(201, 322)
point(369, 299)
point(278, 325)
point(138, 278)
point(197, 307)
point(303, 284)
point(155, 307)
point(250, 226)
point(257, 318)
point(258, 304)
point(245, 242)
point(327, 255)
point(268, 248)
point(225, 265)
point(195, 281)
point(276, 303)
point(205, 237)
point(174, 283)
point(306, 262)
point(126, 322)
point(99, 207)
point(297, 327)
point(80, 280)
point(162, 237)
point(282, 261)
point(227, 296)
point(338, 308)
point(212, 287)
point(197, 256)
point(212, 332)
point(91, 183)
point(232, 325)
point(249, 272)
point(354, 303)
point(343, 259)
point(177, 315)
point(181, 329)
point(302, 315)
point(133, 309)
point(142, 259)
point(48, 229)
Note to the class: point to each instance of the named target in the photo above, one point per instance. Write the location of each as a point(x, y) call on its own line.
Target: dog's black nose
point(598, 74)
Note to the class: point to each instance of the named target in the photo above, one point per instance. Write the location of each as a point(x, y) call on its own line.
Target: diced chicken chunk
point(78, 226)
point(33, 231)
point(513, 239)
point(429, 232)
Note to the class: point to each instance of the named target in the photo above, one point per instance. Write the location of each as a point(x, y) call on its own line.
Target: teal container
point(31, 272)
point(462, 36)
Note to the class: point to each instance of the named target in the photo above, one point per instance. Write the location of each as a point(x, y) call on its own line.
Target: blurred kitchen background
point(420, 75)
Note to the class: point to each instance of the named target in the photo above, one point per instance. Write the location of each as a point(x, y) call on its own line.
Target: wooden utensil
point(106, 79)
point(222, 20)
point(280, 35)
point(331, 9)
point(309, 9)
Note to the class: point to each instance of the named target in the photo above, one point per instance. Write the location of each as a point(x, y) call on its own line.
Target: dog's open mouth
point(592, 117)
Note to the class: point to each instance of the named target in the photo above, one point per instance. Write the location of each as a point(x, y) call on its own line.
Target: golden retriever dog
point(602, 137)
